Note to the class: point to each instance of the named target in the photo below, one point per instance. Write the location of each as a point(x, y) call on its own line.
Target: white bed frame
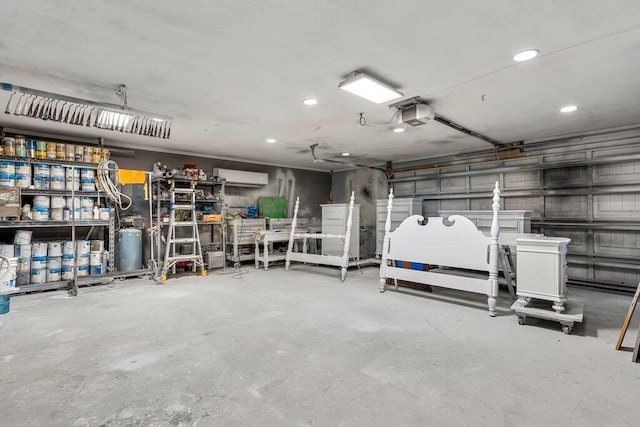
point(458, 245)
point(341, 261)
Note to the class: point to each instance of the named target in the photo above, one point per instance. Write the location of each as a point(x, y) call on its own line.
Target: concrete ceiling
point(233, 73)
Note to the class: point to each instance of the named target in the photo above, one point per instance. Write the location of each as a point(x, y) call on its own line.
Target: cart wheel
point(566, 329)
point(236, 265)
point(521, 320)
point(73, 292)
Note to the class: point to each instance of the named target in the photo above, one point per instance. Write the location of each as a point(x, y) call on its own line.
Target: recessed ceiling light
point(526, 55)
point(568, 108)
point(271, 140)
point(345, 154)
point(398, 129)
point(310, 101)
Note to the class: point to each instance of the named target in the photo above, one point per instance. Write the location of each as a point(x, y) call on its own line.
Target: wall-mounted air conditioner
point(241, 177)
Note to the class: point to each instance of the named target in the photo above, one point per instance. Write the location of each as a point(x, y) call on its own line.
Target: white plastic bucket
point(88, 202)
point(54, 249)
point(40, 214)
point(83, 270)
point(95, 258)
point(57, 171)
point(22, 168)
point(7, 250)
point(22, 237)
point(95, 269)
point(23, 181)
point(58, 202)
point(7, 167)
point(72, 179)
point(86, 213)
point(40, 182)
point(66, 272)
point(57, 214)
point(38, 262)
point(67, 248)
point(24, 264)
point(8, 270)
point(38, 275)
point(8, 180)
point(39, 249)
point(57, 183)
point(41, 201)
point(23, 251)
point(73, 202)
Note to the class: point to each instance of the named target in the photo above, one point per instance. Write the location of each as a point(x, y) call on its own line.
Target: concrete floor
point(299, 348)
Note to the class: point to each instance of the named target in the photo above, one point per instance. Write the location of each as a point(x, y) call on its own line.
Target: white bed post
point(292, 234)
point(385, 243)
point(347, 240)
point(493, 253)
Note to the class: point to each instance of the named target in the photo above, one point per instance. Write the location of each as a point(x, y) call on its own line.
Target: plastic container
point(9, 145)
point(21, 146)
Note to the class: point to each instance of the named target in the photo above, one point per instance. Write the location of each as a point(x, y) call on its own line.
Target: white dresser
point(334, 221)
point(401, 210)
point(542, 269)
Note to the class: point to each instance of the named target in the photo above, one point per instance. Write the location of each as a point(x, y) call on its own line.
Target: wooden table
point(265, 238)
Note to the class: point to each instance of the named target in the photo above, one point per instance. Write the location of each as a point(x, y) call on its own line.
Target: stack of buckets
point(7, 173)
point(8, 267)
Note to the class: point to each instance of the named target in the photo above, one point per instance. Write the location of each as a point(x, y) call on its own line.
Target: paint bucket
point(104, 154)
point(41, 174)
point(86, 214)
point(38, 263)
point(67, 268)
point(22, 181)
point(21, 146)
point(57, 214)
point(72, 179)
point(54, 249)
point(82, 270)
point(87, 179)
point(57, 177)
point(7, 250)
point(61, 151)
point(7, 167)
point(79, 149)
point(24, 264)
point(31, 148)
point(38, 275)
point(9, 145)
point(97, 246)
point(95, 269)
point(41, 201)
point(73, 202)
point(8, 270)
point(95, 258)
point(95, 155)
point(82, 252)
point(88, 202)
point(51, 150)
point(58, 202)
point(39, 249)
point(67, 248)
point(22, 237)
point(22, 251)
point(54, 266)
point(40, 214)
point(86, 154)
point(41, 150)
point(104, 214)
point(7, 180)
point(22, 168)
point(70, 155)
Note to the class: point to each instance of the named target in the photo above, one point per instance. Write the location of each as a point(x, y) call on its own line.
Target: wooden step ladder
point(192, 240)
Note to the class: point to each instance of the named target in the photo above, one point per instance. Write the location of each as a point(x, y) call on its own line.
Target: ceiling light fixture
point(525, 55)
point(398, 129)
point(48, 106)
point(568, 108)
point(345, 154)
point(271, 140)
point(310, 101)
point(369, 88)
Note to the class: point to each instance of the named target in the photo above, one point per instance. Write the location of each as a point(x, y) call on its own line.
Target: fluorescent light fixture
point(398, 130)
point(345, 154)
point(525, 55)
point(271, 140)
point(310, 101)
point(112, 119)
point(568, 108)
point(362, 85)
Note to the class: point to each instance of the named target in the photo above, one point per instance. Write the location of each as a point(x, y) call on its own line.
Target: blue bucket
point(4, 304)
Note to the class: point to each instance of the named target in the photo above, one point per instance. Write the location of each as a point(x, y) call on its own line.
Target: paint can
point(41, 201)
point(51, 150)
point(57, 214)
point(22, 251)
point(21, 146)
point(38, 275)
point(95, 155)
point(73, 178)
point(67, 248)
point(31, 148)
point(70, 152)
point(7, 250)
point(22, 237)
point(105, 154)
point(38, 263)
point(40, 214)
point(54, 266)
point(97, 246)
point(82, 270)
point(7, 167)
point(86, 154)
point(58, 202)
point(9, 145)
point(61, 151)
point(88, 179)
point(86, 214)
point(41, 150)
point(57, 177)
point(95, 258)
point(7, 180)
point(39, 249)
point(54, 249)
point(88, 202)
point(41, 174)
point(8, 270)
point(79, 150)
point(67, 268)
point(95, 269)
